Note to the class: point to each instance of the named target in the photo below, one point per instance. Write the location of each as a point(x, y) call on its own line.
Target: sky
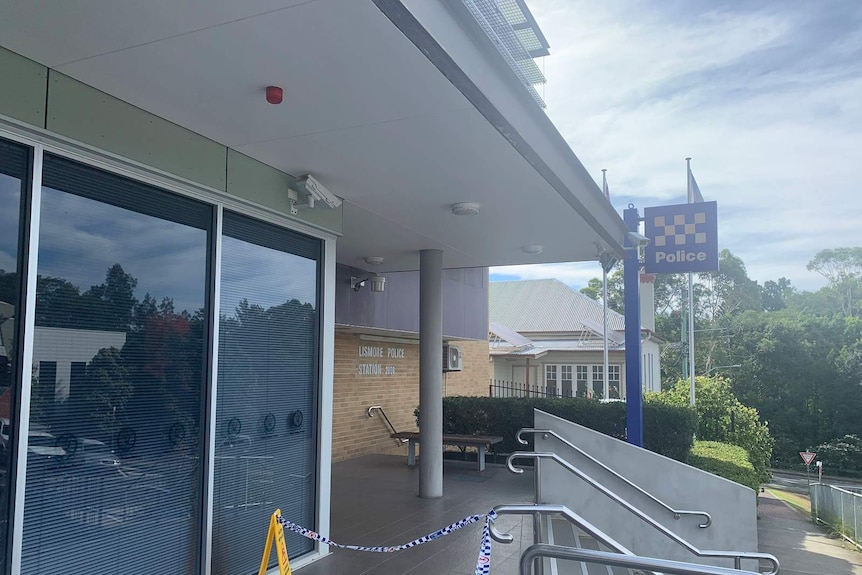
point(79, 242)
point(765, 96)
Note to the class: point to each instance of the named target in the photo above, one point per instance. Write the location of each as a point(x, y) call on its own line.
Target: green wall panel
point(264, 185)
point(87, 115)
point(24, 83)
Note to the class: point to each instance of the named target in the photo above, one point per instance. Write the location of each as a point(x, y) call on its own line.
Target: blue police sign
point(683, 238)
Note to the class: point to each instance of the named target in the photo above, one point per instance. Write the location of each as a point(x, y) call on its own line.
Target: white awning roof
point(400, 107)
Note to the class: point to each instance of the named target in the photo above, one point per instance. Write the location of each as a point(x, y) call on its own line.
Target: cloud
point(264, 276)
point(763, 95)
point(81, 238)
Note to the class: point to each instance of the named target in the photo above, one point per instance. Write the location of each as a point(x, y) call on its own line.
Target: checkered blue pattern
point(483, 563)
point(680, 230)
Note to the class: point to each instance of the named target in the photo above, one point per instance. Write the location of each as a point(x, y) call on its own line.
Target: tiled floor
point(375, 503)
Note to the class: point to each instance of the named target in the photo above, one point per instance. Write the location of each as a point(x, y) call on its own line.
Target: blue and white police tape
point(483, 563)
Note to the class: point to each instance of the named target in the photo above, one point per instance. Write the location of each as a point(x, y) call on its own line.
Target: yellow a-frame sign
point(276, 532)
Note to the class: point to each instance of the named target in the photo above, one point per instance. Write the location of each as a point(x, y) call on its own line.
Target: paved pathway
point(802, 547)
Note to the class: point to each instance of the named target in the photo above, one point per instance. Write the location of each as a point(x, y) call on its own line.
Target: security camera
point(638, 240)
point(316, 191)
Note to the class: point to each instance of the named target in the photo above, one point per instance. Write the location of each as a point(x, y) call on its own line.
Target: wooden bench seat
point(479, 441)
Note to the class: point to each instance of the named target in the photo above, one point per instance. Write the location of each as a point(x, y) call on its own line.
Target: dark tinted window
point(14, 167)
point(114, 466)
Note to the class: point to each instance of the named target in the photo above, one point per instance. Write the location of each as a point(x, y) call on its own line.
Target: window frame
point(581, 373)
point(41, 141)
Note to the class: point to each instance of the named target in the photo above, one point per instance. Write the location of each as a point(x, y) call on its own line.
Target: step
point(561, 532)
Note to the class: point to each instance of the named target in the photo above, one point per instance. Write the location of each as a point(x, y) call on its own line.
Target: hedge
point(668, 430)
point(724, 460)
point(722, 418)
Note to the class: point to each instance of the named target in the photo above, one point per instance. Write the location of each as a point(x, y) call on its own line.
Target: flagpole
point(605, 184)
point(605, 323)
point(603, 262)
point(690, 293)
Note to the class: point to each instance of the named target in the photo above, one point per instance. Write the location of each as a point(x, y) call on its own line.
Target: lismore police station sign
point(683, 238)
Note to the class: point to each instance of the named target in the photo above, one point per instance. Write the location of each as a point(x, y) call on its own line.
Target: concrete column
point(648, 301)
point(431, 373)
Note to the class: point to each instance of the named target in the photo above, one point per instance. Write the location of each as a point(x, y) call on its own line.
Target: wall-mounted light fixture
point(378, 283)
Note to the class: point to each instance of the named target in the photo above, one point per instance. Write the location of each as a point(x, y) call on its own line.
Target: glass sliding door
point(266, 414)
point(114, 469)
point(14, 168)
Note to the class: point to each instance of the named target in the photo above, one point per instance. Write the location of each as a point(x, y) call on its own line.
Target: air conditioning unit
point(452, 358)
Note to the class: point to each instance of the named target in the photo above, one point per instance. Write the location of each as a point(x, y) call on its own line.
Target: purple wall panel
point(465, 297)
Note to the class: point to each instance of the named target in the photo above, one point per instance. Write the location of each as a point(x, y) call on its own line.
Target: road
point(797, 482)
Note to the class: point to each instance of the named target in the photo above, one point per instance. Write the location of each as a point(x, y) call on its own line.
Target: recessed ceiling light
point(465, 209)
point(373, 260)
point(532, 250)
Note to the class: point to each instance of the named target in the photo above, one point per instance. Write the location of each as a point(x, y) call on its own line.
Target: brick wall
point(357, 387)
point(474, 378)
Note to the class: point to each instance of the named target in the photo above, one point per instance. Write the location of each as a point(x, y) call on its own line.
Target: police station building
point(199, 203)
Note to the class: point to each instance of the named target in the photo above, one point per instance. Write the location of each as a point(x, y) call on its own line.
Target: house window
point(614, 381)
point(566, 380)
point(570, 380)
point(583, 381)
point(559, 381)
point(551, 382)
point(598, 381)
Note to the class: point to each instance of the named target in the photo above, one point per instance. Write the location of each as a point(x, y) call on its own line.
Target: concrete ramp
point(682, 487)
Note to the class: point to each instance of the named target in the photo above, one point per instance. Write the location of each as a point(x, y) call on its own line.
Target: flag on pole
point(605, 185)
point(694, 195)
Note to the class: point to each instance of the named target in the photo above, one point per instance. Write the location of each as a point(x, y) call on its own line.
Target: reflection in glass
point(13, 168)
point(266, 413)
point(113, 466)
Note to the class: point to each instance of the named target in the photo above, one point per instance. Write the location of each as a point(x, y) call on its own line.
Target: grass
point(800, 503)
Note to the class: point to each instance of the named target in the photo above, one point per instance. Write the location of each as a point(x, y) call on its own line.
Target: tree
point(109, 389)
point(722, 417)
point(729, 290)
point(616, 297)
point(789, 375)
point(776, 295)
point(116, 299)
point(57, 303)
point(842, 268)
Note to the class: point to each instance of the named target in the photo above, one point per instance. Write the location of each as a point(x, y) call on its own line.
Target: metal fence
point(838, 508)
point(502, 388)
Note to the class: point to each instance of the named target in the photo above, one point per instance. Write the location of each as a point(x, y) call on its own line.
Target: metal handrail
point(737, 556)
point(370, 411)
point(563, 511)
point(677, 513)
point(664, 566)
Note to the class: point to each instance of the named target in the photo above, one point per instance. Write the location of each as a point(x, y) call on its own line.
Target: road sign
point(807, 456)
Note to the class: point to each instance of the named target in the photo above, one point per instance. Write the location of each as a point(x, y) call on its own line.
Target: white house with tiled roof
point(547, 337)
